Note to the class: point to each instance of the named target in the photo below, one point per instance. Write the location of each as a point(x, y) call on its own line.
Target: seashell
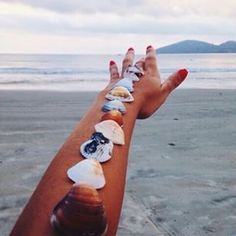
point(80, 212)
point(98, 148)
point(88, 171)
point(113, 115)
point(111, 130)
point(126, 83)
point(114, 105)
point(131, 77)
point(134, 70)
point(120, 93)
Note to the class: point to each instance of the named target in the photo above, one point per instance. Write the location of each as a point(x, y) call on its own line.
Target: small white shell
point(99, 148)
point(125, 82)
point(88, 171)
point(114, 105)
point(131, 76)
point(134, 70)
point(120, 93)
point(111, 130)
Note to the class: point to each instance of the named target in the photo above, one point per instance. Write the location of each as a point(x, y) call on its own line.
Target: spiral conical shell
point(80, 213)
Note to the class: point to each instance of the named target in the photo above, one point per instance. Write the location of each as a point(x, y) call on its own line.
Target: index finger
point(151, 62)
point(128, 60)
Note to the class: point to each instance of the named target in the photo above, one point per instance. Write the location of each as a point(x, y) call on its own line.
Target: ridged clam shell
point(80, 212)
point(120, 93)
point(114, 105)
point(111, 130)
point(98, 148)
point(88, 171)
point(113, 115)
point(126, 83)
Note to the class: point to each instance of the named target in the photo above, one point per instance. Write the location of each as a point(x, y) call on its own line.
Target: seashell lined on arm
point(111, 130)
point(80, 212)
point(88, 171)
point(98, 148)
point(134, 70)
point(120, 93)
point(125, 82)
point(113, 115)
point(114, 105)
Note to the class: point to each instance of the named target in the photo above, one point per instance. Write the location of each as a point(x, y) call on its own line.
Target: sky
point(107, 27)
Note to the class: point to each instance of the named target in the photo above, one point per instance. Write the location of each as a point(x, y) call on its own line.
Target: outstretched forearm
point(149, 94)
point(35, 219)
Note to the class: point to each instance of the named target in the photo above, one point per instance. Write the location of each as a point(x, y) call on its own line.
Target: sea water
point(91, 72)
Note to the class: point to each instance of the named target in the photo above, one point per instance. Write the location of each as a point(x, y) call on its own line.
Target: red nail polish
point(183, 73)
point(149, 47)
point(112, 63)
point(130, 49)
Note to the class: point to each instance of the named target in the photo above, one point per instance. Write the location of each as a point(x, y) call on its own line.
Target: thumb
point(173, 82)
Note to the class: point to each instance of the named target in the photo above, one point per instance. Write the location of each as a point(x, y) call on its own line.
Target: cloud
point(18, 16)
point(131, 21)
point(156, 8)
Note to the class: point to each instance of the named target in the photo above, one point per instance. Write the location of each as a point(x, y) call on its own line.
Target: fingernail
point(112, 63)
point(183, 73)
point(149, 47)
point(130, 49)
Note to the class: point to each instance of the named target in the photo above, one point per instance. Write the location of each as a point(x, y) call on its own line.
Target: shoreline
point(97, 91)
point(181, 174)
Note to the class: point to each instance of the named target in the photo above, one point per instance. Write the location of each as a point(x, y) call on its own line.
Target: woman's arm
point(148, 95)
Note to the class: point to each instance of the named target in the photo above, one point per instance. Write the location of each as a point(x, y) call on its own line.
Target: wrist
point(133, 108)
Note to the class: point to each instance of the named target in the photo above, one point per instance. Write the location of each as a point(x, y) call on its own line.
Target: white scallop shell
point(111, 130)
point(102, 154)
point(120, 93)
point(88, 171)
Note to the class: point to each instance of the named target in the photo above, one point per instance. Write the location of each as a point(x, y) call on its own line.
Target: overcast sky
point(86, 26)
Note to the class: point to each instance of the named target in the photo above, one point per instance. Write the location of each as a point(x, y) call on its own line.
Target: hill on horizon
point(195, 46)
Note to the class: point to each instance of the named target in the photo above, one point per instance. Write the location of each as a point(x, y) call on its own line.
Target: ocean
point(90, 72)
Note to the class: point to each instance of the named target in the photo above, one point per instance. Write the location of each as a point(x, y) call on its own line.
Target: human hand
point(149, 89)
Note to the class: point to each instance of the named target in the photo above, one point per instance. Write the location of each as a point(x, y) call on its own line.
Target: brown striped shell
point(80, 213)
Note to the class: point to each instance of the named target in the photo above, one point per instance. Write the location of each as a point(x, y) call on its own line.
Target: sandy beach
point(182, 167)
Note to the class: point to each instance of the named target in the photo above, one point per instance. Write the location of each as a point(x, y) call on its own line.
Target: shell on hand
point(120, 93)
point(98, 148)
point(135, 70)
point(111, 130)
point(113, 115)
point(126, 83)
point(80, 212)
point(114, 105)
point(88, 171)
point(131, 76)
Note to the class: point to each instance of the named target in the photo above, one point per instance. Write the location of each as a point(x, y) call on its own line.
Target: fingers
point(128, 60)
point(114, 73)
point(173, 81)
point(150, 62)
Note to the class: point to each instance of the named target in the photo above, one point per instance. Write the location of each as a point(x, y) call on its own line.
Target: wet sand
point(182, 168)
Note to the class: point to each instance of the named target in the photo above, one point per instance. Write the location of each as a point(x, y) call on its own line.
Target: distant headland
point(195, 46)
